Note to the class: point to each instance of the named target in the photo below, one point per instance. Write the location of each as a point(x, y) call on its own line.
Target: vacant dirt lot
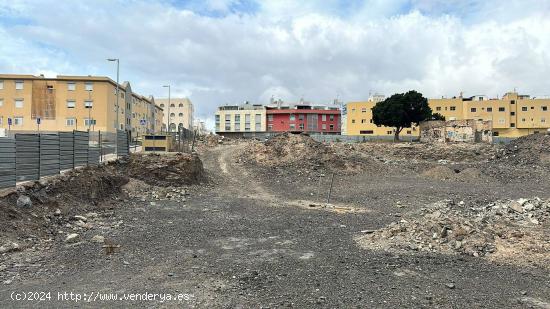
point(408, 225)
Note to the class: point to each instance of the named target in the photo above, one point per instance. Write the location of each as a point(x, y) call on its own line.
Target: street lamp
point(117, 76)
point(168, 86)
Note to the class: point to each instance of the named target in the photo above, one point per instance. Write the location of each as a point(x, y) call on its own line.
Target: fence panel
point(81, 146)
point(49, 154)
point(93, 155)
point(27, 161)
point(123, 147)
point(7, 162)
point(66, 148)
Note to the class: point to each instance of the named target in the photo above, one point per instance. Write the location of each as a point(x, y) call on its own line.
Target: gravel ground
point(255, 237)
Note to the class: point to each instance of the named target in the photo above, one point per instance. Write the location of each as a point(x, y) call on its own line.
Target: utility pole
point(168, 86)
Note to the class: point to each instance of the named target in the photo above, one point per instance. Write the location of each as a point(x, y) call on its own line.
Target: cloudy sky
point(228, 51)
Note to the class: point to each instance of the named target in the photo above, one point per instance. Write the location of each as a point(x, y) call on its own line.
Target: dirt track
point(252, 239)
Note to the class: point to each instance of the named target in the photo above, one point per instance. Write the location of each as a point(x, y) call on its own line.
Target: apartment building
point(240, 120)
point(147, 117)
point(179, 113)
point(513, 115)
point(66, 103)
point(303, 117)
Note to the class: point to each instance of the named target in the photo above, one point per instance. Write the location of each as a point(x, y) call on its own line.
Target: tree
point(438, 116)
point(401, 110)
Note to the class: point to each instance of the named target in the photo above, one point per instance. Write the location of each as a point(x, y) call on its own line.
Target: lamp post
point(168, 86)
point(117, 88)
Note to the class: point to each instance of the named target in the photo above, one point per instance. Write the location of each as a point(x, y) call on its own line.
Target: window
point(512, 113)
point(324, 126)
point(409, 131)
point(71, 86)
point(269, 117)
point(89, 86)
point(292, 117)
point(389, 132)
point(173, 115)
point(353, 121)
point(1, 84)
point(69, 122)
point(366, 132)
point(301, 126)
point(453, 108)
point(1, 102)
point(501, 121)
point(89, 122)
point(544, 108)
point(331, 117)
point(532, 107)
point(495, 133)
point(323, 117)
point(162, 105)
point(331, 127)
point(181, 105)
point(18, 103)
point(180, 114)
point(512, 125)
point(511, 102)
point(88, 104)
point(172, 105)
point(363, 110)
point(524, 109)
point(292, 126)
point(438, 108)
point(501, 109)
point(18, 121)
point(363, 120)
point(258, 119)
point(473, 109)
point(71, 103)
point(489, 109)
point(19, 85)
point(522, 119)
point(543, 119)
point(270, 127)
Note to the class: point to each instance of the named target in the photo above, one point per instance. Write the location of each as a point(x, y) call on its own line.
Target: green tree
point(401, 110)
point(438, 116)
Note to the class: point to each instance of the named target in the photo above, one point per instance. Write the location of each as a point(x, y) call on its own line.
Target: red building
point(308, 119)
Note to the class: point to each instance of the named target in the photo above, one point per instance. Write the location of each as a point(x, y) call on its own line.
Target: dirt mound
point(508, 231)
point(295, 150)
point(166, 169)
point(527, 150)
point(443, 172)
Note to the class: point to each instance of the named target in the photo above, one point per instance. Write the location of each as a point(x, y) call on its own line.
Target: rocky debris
point(24, 201)
point(166, 169)
point(444, 172)
point(98, 239)
point(527, 150)
point(451, 228)
point(72, 238)
point(10, 247)
point(139, 189)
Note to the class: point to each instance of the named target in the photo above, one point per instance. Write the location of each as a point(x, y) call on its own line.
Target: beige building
point(67, 103)
point(513, 115)
point(240, 119)
point(180, 111)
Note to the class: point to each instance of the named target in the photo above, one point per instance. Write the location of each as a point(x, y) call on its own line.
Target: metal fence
point(29, 156)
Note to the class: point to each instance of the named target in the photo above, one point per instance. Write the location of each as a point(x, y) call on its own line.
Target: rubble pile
point(443, 172)
point(139, 189)
point(295, 150)
point(527, 150)
point(498, 229)
point(166, 170)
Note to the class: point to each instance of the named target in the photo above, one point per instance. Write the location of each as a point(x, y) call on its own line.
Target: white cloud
point(288, 49)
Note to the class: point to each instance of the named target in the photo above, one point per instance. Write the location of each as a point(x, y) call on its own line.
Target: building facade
point(303, 118)
point(66, 103)
point(179, 113)
point(240, 120)
point(513, 115)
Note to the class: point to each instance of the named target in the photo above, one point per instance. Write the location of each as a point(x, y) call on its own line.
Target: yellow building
point(67, 103)
point(180, 111)
point(513, 115)
point(235, 120)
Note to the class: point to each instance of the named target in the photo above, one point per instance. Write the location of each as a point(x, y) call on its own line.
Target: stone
point(81, 218)
point(24, 202)
point(11, 247)
point(450, 285)
point(98, 239)
point(72, 238)
point(516, 206)
point(57, 212)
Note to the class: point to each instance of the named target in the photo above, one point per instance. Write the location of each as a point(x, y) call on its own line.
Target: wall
point(278, 120)
point(468, 131)
point(359, 123)
point(178, 106)
point(241, 125)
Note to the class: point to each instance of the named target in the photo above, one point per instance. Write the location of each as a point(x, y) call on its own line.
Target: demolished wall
point(466, 131)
